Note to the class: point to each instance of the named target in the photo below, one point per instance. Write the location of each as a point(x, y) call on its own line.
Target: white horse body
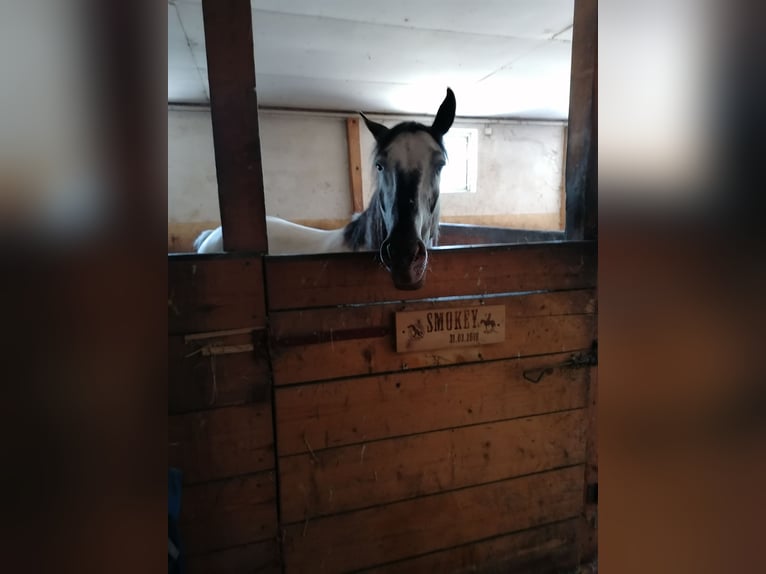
point(285, 238)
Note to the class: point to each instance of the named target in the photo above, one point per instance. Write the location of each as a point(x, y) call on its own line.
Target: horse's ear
point(446, 114)
point(378, 130)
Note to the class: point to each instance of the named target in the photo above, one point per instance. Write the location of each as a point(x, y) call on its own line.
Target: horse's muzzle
point(407, 266)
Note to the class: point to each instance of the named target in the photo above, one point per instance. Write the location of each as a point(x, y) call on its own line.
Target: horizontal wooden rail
point(295, 282)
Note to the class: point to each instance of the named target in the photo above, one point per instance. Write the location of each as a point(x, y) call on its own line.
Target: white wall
point(305, 171)
point(305, 162)
point(192, 186)
point(305, 166)
point(520, 173)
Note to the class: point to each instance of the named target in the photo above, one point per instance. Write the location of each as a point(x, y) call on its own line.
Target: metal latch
point(575, 361)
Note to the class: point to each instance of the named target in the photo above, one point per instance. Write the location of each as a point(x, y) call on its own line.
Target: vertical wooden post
point(234, 111)
point(581, 166)
point(355, 164)
point(563, 192)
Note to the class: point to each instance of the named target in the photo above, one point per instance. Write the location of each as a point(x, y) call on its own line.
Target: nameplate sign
point(432, 329)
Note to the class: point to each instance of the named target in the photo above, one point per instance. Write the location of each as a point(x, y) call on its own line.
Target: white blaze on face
point(416, 152)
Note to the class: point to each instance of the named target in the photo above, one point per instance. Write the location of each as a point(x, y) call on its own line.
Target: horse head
point(409, 158)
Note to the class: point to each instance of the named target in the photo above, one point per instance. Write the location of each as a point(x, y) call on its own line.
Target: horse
point(402, 220)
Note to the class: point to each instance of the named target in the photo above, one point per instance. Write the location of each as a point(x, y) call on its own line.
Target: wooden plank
point(545, 549)
point(223, 442)
point(320, 344)
point(353, 411)
point(382, 534)
point(589, 523)
point(261, 558)
point(581, 153)
point(563, 190)
point(592, 466)
point(371, 356)
point(380, 472)
point(302, 281)
point(227, 513)
point(354, 164)
point(197, 382)
point(234, 113)
point(213, 294)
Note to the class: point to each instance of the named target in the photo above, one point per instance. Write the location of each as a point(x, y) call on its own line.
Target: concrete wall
point(305, 162)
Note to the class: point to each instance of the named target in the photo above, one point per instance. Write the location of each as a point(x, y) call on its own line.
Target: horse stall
point(325, 421)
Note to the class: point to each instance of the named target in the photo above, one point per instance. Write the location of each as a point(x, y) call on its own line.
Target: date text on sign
point(432, 329)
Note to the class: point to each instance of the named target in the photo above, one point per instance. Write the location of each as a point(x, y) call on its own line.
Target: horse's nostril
point(420, 252)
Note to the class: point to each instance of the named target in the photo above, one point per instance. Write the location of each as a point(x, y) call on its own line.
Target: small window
point(459, 175)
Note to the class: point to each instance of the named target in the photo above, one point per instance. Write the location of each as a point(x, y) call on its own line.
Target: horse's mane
point(366, 230)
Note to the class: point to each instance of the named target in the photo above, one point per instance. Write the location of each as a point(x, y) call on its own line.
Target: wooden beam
point(234, 111)
point(310, 281)
point(355, 164)
point(581, 192)
point(563, 195)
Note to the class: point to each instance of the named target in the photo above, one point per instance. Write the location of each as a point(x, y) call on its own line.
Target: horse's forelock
point(390, 136)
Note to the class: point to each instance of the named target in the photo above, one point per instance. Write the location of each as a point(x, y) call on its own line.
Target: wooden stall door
point(463, 459)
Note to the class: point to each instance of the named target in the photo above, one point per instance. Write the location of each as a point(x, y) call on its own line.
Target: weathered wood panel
point(215, 293)
point(542, 550)
point(356, 410)
point(582, 150)
point(234, 113)
point(257, 558)
point(383, 534)
point(354, 164)
point(352, 477)
point(226, 513)
point(330, 343)
point(197, 381)
point(313, 281)
point(222, 442)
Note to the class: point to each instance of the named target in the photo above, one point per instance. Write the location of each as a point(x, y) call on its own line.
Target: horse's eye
point(378, 166)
